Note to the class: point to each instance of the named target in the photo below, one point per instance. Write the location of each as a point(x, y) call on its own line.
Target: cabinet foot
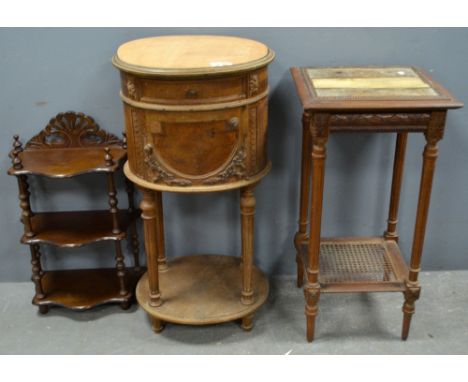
point(247, 323)
point(157, 325)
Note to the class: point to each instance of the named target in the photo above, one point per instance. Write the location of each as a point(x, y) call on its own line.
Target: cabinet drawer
point(186, 91)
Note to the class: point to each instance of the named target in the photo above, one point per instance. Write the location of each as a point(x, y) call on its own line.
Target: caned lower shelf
point(75, 228)
point(82, 289)
point(202, 289)
point(370, 264)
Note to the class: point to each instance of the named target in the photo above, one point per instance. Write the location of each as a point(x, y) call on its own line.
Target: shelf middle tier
point(76, 228)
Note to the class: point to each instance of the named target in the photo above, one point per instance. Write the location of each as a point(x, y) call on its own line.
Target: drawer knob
point(232, 124)
point(191, 93)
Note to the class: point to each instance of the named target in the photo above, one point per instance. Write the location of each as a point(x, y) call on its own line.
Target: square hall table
point(398, 100)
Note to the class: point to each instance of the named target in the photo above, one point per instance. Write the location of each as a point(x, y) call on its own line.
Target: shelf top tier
point(65, 163)
point(191, 55)
point(364, 88)
point(71, 144)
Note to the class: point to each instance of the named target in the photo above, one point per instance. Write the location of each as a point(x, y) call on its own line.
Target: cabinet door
point(187, 148)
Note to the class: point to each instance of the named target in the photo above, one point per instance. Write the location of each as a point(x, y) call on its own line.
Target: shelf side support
point(37, 272)
point(112, 193)
point(120, 265)
point(25, 205)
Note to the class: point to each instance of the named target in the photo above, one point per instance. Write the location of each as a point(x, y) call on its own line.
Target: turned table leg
point(400, 149)
point(149, 216)
point(319, 130)
point(301, 234)
point(433, 134)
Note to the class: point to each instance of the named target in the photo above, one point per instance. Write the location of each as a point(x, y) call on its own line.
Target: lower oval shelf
point(202, 290)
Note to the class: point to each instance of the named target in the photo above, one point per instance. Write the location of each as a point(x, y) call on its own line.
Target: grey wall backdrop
point(46, 71)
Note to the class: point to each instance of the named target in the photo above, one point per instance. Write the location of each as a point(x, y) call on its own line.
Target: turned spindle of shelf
point(17, 149)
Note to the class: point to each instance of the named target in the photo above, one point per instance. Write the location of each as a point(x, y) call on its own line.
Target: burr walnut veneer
point(196, 121)
point(398, 100)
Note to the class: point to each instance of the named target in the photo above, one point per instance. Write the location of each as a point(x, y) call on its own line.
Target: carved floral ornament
point(253, 84)
point(382, 118)
point(72, 129)
point(235, 169)
point(131, 89)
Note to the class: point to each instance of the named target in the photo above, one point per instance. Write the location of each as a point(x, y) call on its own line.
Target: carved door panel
point(191, 146)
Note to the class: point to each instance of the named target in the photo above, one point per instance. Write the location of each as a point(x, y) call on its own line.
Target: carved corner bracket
point(160, 173)
point(436, 127)
point(235, 169)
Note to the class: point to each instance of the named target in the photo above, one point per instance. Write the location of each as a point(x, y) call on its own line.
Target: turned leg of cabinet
point(312, 287)
point(433, 134)
point(301, 234)
point(133, 227)
point(162, 262)
point(399, 160)
point(149, 216)
point(247, 221)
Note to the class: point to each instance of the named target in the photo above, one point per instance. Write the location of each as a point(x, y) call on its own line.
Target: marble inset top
point(192, 54)
point(370, 88)
point(369, 82)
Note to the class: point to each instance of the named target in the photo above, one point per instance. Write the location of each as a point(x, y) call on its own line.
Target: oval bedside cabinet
point(196, 121)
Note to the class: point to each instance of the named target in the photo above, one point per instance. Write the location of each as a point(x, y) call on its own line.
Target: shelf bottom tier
point(82, 289)
point(370, 264)
point(202, 289)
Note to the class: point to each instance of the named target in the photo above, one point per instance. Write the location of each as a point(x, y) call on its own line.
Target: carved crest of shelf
point(71, 129)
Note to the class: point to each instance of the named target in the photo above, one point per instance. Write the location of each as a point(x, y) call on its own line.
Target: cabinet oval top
point(191, 55)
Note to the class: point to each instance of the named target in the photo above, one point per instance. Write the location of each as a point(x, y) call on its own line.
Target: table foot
point(312, 295)
point(411, 294)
